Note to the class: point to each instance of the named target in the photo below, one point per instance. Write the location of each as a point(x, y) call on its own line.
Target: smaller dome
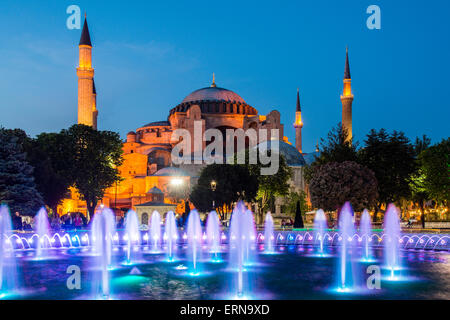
point(171, 172)
point(155, 190)
point(131, 133)
point(157, 124)
point(291, 154)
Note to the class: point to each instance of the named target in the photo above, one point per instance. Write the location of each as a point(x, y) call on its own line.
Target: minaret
point(298, 125)
point(347, 100)
point(87, 109)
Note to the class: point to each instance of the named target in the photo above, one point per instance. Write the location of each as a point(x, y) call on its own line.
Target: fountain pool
point(123, 264)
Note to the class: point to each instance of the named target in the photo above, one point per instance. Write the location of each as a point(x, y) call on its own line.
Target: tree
point(271, 186)
point(48, 154)
point(233, 183)
point(334, 183)
point(392, 158)
point(298, 223)
point(291, 202)
point(419, 193)
point(421, 144)
point(268, 186)
point(93, 162)
point(17, 186)
point(435, 166)
point(336, 148)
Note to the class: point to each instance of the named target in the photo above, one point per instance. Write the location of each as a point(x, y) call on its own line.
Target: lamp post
point(213, 188)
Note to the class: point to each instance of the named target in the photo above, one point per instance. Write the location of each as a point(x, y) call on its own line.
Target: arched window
point(144, 218)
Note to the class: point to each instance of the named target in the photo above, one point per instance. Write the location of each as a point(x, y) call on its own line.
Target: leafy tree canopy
point(334, 183)
point(93, 161)
point(17, 185)
point(392, 158)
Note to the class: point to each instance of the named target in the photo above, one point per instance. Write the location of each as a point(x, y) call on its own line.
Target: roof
point(347, 66)
point(155, 190)
point(171, 172)
point(310, 157)
point(291, 154)
point(155, 204)
point(85, 37)
point(213, 94)
point(157, 124)
point(299, 108)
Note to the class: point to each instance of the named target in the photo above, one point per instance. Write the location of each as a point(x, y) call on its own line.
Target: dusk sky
point(148, 55)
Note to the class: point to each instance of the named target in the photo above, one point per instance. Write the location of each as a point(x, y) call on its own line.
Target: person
point(56, 222)
point(77, 222)
point(68, 221)
point(17, 221)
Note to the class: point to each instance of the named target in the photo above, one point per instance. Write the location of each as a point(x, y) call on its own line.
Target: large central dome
point(215, 100)
point(213, 94)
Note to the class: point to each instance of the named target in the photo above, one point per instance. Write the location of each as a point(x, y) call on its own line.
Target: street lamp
point(176, 182)
point(213, 188)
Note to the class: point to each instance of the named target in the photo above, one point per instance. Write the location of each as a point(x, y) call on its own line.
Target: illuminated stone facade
point(147, 150)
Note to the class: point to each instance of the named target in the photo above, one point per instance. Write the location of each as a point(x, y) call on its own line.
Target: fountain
point(42, 229)
point(347, 230)
point(171, 234)
point(365, 229)
point(132, 235)
point(103, 228)
point(320, 225)
point(249, 238)
point(194, 237)
point(155, 230)
point(213, 235)
point(8, 277)
point(269, 238)
point(392, 233)
point(242, 235)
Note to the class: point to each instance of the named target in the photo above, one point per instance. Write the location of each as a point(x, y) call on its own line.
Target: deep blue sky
point(148, 55)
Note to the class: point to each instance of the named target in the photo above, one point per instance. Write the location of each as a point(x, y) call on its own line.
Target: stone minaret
point(347, 100)
point(298, 125)
point(87, 108)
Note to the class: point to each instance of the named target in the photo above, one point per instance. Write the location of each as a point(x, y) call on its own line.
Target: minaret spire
point(347, 99)
point(298, 125)
point(347, 65)
point(85, 37)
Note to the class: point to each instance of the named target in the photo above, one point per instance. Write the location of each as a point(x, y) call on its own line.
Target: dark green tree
point(48, 154)
point(392, 158)
point(298, 222)
point(335, 148)
point(421, 144)
point(17, 186)
point(232, 183)
point(291, 202)
point(435, 166)
point(334, 183)
point(268, 186)
point(419, 193)
point(93, 162)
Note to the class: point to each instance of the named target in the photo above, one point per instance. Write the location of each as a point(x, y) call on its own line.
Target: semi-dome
point(171, 172)
point(291, 154)
point(213, 94)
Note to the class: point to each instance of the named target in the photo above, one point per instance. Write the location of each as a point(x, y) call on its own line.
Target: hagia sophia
point(148, 171)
